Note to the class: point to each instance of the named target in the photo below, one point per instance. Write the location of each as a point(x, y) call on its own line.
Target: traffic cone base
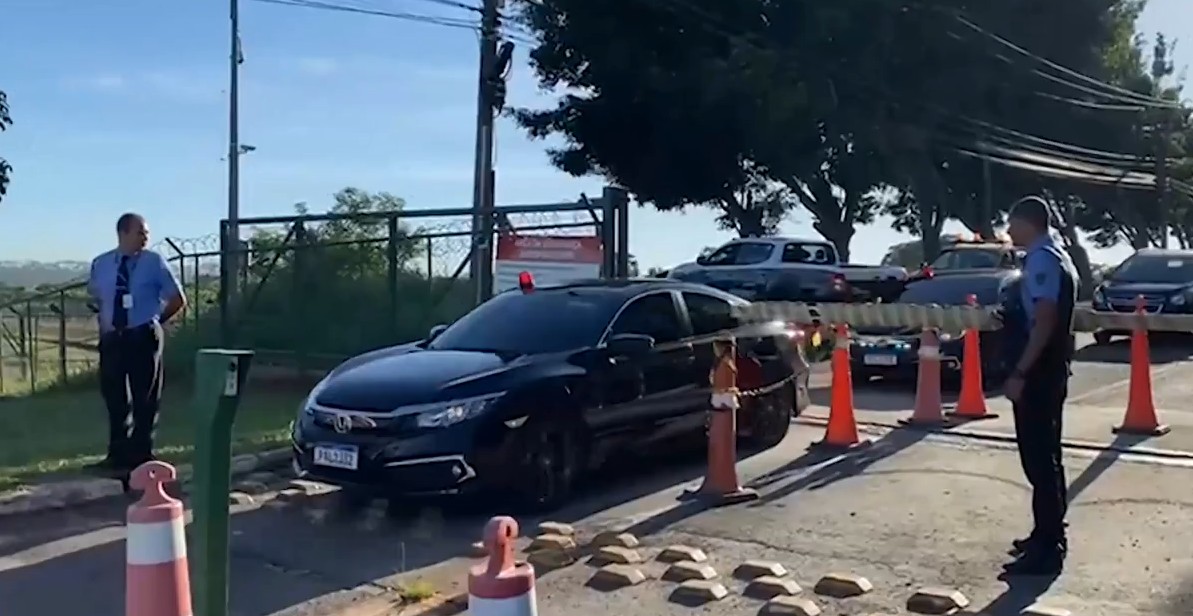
point(861, 442)
point(1159, 430)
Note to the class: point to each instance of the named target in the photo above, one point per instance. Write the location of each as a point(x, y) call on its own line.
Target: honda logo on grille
point(346, 422)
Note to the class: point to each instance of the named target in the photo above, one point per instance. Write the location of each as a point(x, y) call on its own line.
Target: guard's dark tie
point(120, 313)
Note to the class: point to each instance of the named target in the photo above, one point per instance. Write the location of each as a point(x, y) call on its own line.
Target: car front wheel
point(547, 467)
point(769, 416)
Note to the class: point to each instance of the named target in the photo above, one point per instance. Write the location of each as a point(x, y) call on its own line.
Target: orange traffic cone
point(721, 485)
point(971, 405)
point(842, 425)
point(929, 409)
point(1141, 407)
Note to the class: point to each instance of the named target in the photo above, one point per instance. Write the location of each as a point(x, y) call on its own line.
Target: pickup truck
point(791, 269)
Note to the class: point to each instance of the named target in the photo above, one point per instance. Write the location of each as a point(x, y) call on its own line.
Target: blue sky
point(120, 105)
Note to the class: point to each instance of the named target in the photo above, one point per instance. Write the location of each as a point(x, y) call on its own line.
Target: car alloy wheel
point(548, 467)
point(770, 417)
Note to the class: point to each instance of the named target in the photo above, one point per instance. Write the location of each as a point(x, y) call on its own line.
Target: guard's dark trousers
point(130, 368)
point(1038, 428)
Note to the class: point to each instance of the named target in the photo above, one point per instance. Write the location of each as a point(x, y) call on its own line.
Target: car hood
point(404, 376)
point(1120, 289)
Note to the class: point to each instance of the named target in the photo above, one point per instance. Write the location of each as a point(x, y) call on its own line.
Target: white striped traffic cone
point(156, 583)
point(500, 586)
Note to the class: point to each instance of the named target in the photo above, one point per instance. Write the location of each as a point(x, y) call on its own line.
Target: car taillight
point(839, 281)
point(927, 272)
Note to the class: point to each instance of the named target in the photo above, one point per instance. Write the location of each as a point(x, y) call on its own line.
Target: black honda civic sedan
point(538, 385)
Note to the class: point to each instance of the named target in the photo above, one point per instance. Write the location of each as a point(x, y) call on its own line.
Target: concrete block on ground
point(937, 601)
point(612, 577)
point(790, 606)
point(614, 538)
point(842, 585)
point(1039, 609)
point(677, 553)
point(557, 528)
point(698, 592)
point(310, 488)
point(769, 587)
point(551, 542)
point(685, 570)
point(615, 555)
point(239, 498)
point(290, 495)
point(546, 560)
point(757, 568)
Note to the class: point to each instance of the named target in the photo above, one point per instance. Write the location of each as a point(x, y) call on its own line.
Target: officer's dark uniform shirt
point(1048, 274)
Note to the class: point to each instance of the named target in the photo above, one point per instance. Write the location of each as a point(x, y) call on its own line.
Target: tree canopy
point(924, 110)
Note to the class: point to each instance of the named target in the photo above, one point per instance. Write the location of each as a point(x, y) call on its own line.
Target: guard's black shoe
point(1019, 546)
point(1037, 562)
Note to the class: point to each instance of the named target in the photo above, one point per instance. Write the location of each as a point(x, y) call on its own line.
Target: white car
point(796, 269)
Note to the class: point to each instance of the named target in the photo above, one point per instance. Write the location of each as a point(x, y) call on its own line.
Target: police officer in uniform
point(1040, 330)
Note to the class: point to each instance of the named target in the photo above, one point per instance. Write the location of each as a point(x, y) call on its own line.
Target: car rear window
point(968, 258)
point(1161, 269)
point(817, 253)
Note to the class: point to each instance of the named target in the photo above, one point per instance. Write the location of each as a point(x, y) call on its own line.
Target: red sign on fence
point(551, 259)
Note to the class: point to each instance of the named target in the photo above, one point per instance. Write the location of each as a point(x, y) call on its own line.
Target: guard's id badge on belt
point(126, 301)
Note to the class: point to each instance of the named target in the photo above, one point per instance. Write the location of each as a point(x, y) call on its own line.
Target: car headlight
point(451, 413)
point(1179, 299)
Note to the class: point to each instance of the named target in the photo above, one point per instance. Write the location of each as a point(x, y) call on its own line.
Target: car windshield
point(967, 258)
point(952, 291)
point(543, 321)
point(1161, 269)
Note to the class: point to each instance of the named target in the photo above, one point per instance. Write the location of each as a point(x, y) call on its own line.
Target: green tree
point(5, 123)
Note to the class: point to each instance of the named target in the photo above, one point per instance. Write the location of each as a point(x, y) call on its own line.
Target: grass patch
point(61, 431)
point(416, 591)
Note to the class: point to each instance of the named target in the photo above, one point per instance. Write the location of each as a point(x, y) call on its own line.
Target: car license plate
point(337, 456)
point(880, 360)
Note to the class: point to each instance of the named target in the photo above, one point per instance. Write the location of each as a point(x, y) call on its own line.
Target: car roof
point(1163, 252)
point(625, 288)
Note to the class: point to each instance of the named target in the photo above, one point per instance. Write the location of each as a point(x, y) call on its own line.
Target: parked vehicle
point(894, 352)
point(791, 269)
point(536, 386)
point(1163, 277)
point(970, 256)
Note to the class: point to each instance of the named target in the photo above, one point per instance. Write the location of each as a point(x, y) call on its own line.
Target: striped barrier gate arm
point(946, 318)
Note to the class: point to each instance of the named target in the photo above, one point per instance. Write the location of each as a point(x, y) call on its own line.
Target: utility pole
point(1161, 136)
point(481, 269)
point(231, 262)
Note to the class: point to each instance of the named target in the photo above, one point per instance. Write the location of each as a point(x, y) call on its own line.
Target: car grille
point(365, 422)
point(1126, 303)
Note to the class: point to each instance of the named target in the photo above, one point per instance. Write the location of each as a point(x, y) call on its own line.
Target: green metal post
point(219, 378)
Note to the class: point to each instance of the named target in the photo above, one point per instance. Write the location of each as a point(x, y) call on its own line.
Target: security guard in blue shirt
point(1040, 330)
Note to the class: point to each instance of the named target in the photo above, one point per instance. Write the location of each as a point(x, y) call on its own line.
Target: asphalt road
point(309, 557)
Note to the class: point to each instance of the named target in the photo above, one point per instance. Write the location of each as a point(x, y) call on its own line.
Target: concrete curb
point(83, 490)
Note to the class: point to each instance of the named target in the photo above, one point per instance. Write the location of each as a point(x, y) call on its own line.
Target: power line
point(1118, 92)
point(435, 20)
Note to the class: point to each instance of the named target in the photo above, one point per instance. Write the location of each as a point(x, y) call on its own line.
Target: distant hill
point(29, 274)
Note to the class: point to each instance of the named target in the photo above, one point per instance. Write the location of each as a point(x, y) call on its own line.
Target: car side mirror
point(435, 332)
point(629, 344)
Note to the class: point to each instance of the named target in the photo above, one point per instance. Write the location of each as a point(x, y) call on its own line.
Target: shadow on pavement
point(287, 553)
point(1021, 592)
point(1165, 348)
point(843, 465)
